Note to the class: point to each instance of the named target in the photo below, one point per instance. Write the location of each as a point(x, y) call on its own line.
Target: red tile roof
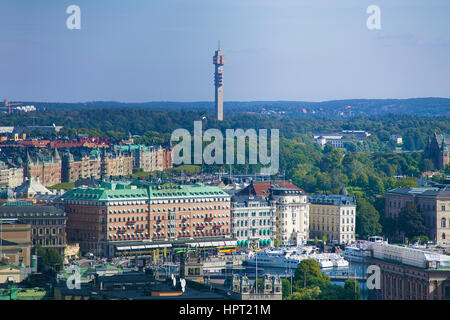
point(262, 188)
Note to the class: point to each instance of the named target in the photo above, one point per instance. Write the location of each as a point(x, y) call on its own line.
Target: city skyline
point(288, 50)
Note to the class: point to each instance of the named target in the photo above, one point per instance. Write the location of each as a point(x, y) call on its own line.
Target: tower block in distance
point(219, 61)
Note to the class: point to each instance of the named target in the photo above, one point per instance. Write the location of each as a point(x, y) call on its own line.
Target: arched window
point(443, 235)
point(443, 223)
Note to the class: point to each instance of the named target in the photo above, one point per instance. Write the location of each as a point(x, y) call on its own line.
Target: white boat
point(271, 260)
point(354, 254)
point(323, 259)
point(340, 263)
point(291, 257)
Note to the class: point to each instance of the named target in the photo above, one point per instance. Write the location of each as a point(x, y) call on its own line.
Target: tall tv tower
point(219, 61)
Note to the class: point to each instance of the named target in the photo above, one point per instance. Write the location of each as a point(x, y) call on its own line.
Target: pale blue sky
point(141, 50)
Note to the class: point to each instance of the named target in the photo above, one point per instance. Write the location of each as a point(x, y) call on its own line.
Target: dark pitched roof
point(31, 209)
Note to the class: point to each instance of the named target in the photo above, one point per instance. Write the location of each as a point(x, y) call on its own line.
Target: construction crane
point(8, 105)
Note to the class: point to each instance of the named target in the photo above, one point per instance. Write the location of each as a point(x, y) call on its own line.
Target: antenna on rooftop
point(218, 45)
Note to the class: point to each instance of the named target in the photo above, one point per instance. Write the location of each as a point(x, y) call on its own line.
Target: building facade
point(87, 166)
point(332, 216)
point(292, 215)
point(253, 221)
point(120, 213)
point(148, 158)
point(117, 164)
point(11, 177)
point(16, 242)
point(194, 211)
point(48, 223)
point(432, 202)
point(410, 274)
point(47, 169)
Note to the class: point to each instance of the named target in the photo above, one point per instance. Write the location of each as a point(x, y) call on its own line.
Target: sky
point(161, 50)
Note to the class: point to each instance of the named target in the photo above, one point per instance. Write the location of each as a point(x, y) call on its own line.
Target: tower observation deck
point(219, 61)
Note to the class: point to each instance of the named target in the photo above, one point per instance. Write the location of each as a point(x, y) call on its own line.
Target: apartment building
point(253, 221)
point(11, 177)
point(292, 215)
point(117, 164)
point(120, 214)
point(332, 216)
point(148, 158)
point(84, 167)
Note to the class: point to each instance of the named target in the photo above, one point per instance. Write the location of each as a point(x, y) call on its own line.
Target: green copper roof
point(129, 191)
point(108, 191)
point(131, 147)
point(184, 191)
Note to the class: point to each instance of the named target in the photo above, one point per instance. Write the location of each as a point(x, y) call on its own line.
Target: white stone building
point(292, 215)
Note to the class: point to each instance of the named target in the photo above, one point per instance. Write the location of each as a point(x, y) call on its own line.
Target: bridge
point(344, 275)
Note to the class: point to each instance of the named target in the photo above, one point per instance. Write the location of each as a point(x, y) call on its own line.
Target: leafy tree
point(311, 293)
point(54, 259)
point(333, 292)
point(420, 239)
point(308, 273)
point(375, 184)
point(285, 287)
point(353, 289)
point(367, 219)
point(48, 258)
point(411, 222)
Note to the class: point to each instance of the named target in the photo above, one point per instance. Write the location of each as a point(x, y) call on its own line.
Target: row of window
point(348, 212)
point(196, 200)
point(242, 223)
point(244, 233)
point(194, 224)
point(125, 219)
point(54, 231)
point(253, 214)
point(319, 227)
point(48, 242)
point(139, 227)
point(223, 207)
point(129, 210)
point(196, 216)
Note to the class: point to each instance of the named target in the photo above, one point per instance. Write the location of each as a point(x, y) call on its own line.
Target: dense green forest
point(291, 109)
point(157, 126)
